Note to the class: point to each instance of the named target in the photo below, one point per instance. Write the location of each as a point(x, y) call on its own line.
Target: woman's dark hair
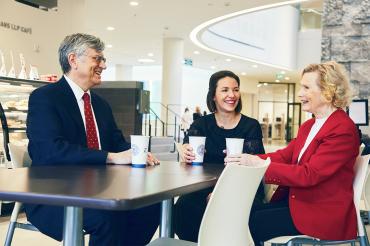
point(212, 89)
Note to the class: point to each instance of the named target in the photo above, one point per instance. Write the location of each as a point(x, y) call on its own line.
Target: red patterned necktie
point(91, 136)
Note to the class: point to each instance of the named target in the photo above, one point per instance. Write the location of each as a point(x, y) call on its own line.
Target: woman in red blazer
point(315, 171)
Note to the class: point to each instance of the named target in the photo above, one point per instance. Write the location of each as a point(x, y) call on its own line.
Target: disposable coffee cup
point(139, 147)
point(234, 146)
point(198, 145)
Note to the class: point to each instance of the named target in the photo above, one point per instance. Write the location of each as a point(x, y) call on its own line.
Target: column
point(173, 49)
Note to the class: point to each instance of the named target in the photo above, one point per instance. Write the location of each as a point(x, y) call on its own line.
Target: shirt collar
point(77, 91)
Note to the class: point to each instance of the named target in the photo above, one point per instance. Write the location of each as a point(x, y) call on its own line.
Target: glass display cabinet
point(14, 95)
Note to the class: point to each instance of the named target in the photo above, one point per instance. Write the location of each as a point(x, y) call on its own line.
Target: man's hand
point(151, 160)
point(125, 157)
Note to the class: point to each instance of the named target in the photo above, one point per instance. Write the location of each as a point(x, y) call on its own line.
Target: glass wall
point(276, 118)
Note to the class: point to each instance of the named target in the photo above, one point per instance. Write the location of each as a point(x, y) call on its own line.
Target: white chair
point(225, 221)
point(19, 158)
point(361, 175)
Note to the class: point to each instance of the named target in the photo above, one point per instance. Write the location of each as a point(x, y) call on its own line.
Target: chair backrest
point(361, 175)
point(225, 221)
point(19, 155)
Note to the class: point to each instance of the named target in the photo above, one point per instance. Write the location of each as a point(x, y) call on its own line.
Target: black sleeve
point(253, 144)
point(196, 129)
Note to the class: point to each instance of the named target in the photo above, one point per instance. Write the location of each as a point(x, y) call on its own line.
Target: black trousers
point(129, 228)
point(271, 220)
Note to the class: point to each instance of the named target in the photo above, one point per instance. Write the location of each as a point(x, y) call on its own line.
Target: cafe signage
point(15, 27)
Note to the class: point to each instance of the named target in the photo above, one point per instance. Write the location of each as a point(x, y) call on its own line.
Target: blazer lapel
point(325, 129)
point(300, 141)
point(68, 98)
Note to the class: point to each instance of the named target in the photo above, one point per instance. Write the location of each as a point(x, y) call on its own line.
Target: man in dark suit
point(64, 128)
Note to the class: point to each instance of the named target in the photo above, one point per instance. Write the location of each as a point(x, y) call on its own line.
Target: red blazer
point(321, 183)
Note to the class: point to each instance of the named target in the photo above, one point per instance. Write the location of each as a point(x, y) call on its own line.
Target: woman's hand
point(187, 153)
point(244, 159)
point(151, 160)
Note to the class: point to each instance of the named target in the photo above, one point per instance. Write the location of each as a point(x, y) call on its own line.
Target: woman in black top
point(226, 121)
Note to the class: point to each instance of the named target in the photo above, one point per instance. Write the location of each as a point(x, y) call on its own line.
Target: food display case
point(14, 95)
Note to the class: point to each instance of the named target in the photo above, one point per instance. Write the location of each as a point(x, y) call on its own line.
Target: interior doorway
point(274, 113)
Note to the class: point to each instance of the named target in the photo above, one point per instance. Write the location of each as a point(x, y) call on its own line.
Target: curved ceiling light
point(197, 30)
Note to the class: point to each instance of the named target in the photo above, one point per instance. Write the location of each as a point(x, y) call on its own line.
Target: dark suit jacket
point(56, 132)
point(321, 183)
point(57, 137)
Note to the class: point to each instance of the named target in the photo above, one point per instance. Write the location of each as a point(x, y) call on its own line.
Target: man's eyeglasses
point(98, 59)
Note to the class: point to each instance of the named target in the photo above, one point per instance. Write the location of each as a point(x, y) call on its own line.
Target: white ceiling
point(139, 30)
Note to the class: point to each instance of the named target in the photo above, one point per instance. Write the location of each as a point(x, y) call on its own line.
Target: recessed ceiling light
point(243, 73)
point(228, 60)
point(255, 66)
point(277, 80)
point(109, 46)
point(213, 67)
point(282, 72)
point(259, 85)
point(287, 78)
point(150, 54)
point(133, 3)
point(196, 52)
point(265, 84)
point(110, 28)
point(146, 60)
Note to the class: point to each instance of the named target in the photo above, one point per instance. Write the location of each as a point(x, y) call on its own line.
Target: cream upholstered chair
point(361, 175)
point(19, 158)
point(225, 221)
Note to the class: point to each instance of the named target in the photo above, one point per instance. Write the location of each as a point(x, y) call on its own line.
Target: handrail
point(176, 118)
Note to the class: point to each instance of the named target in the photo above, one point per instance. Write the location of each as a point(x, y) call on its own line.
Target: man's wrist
point(110, 157)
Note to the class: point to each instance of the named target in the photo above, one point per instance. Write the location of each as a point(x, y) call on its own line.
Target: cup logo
point(200, 149)
point(135, 149)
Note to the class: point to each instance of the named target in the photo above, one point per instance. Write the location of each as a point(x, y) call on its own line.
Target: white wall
point(269, 36)
point(48, 30)
point(309, 47)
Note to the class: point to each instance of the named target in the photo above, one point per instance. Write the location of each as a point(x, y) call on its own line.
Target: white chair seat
point(171, 242)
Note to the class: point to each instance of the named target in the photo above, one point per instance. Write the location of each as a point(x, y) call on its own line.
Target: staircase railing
point(172, 122)
point(148, 124)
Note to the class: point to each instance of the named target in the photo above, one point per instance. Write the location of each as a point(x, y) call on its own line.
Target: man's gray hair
point(77, 43)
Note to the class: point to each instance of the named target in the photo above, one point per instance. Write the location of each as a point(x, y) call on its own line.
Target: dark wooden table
point(112, 187)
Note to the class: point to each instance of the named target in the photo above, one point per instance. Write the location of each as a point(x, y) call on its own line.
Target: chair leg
point(12, 223)
point(10, 233)
point(363, 241)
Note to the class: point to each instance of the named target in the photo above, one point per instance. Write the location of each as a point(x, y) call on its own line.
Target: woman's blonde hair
point(334, 83)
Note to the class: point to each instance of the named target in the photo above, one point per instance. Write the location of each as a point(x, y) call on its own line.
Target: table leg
point(72, 230)
point(165, 228)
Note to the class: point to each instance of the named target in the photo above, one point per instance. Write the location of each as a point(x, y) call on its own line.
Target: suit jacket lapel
point(68, 98)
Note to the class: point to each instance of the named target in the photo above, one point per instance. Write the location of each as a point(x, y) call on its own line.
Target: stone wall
point(346, 39)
